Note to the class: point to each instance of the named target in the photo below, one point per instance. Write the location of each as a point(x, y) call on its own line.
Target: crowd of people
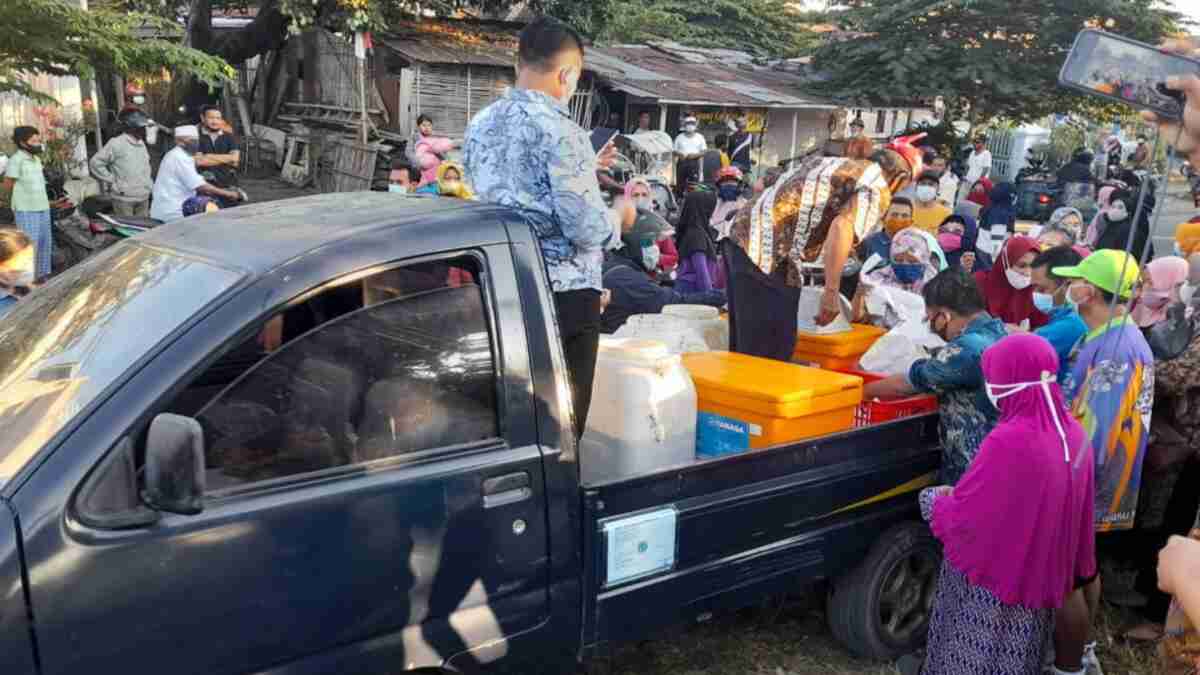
point(1059, 348)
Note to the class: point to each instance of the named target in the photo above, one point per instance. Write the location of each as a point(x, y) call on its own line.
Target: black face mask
point(191, 147)
point(33, 149)
point(139, 133)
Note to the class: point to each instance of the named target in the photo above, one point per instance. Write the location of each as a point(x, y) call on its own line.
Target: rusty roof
point(666, 72)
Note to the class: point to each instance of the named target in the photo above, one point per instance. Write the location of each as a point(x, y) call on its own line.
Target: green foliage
point(763, 27)
point(942, 136)
point(999, 58)
point(56, 38)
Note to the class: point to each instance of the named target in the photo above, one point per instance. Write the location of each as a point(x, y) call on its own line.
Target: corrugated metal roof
point(666, 71)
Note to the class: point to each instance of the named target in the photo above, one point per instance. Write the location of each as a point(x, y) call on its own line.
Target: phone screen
point(601, 136)
point(1126, 71)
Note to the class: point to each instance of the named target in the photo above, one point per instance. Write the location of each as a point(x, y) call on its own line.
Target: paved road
point(1178, 209)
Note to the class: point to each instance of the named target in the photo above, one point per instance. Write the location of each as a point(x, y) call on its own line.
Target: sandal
point(1144, 632)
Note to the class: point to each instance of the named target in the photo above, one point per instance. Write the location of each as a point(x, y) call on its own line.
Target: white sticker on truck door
point(639, 545)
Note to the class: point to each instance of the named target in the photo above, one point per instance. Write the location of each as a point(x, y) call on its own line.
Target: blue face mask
point(1044, 302)
point(908, 273)
point(729, 193)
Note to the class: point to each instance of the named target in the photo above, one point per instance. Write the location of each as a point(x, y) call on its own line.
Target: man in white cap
point(178, 179)
point(690, 146)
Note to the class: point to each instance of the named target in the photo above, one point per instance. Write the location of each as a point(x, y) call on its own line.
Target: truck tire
point(880, 609)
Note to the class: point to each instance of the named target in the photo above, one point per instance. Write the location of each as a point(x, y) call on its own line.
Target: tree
point(763, 27)
point(56, 38)
point(993, 58)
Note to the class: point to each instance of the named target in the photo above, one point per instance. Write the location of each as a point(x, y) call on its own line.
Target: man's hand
point(1189, 141)
point(1178, 564)
point(627, 210)
point(605, 299)
point(831, 306)
point(608, 155)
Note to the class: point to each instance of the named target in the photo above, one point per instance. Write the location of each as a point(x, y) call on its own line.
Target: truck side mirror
point(175, 465)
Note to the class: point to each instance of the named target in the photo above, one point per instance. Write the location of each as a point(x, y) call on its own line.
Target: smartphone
point(1127, 71)
point(601, 136)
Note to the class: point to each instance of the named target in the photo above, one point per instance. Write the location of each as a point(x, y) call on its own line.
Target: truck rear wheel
point(881, 609)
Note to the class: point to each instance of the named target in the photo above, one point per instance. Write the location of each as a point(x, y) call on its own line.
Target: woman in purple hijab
point(1017, 528)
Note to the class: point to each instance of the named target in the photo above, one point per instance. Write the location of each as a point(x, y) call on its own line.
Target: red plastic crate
point(878, 412)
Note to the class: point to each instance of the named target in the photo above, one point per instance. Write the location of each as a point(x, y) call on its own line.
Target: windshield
point(63, 345)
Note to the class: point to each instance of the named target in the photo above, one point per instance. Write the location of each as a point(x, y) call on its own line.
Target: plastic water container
point(716, 329)
point(680, 335)
point(643, 414)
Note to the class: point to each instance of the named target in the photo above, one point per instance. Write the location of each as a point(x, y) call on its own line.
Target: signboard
point(639, 545)
point(718, 118)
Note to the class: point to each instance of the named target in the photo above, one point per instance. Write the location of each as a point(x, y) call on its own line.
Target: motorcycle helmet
point(133, 119)
point(199, 204)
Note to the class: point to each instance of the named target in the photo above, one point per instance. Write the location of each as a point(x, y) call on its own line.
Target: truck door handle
point(507, 489)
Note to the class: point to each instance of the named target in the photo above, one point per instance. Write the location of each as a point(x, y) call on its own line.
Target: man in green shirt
point(23, 180)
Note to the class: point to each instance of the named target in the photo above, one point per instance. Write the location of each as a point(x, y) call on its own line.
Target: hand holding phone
point(1130, 72)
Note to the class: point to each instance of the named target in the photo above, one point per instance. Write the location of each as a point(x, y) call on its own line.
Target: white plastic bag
point(895, 352)
point(810, 306)
point(895, 306)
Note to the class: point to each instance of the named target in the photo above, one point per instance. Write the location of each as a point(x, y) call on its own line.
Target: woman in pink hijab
point(1161, 279)
point(1103, 201)
point(1017, 528)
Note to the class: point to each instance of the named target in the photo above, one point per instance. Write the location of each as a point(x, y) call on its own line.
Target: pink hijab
point(1102, 201)
point(1166, 275)
point(1020, 523)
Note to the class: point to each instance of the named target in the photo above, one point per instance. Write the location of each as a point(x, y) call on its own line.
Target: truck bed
point(750, 524)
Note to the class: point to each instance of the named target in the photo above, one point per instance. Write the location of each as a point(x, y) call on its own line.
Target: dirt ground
point(788, 636)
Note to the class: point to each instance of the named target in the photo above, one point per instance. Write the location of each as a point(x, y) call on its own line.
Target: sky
point(1191, 8)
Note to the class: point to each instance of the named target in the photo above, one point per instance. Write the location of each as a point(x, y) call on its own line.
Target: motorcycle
point(1038, 190)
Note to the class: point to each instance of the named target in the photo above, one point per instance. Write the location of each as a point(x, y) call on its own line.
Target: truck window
point(397, 363)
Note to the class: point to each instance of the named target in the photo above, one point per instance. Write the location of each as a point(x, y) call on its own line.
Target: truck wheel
point(881, 609)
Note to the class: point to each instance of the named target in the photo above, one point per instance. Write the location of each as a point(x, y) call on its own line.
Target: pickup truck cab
point(332, 435)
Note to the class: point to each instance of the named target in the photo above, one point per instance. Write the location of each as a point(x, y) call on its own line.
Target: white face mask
point(1186, 292)
point(645, 203)
point(650, 256)
point(1117, 212)
point(996, 392)
point(689, 128)
point(926, 193)
point(1017, 280)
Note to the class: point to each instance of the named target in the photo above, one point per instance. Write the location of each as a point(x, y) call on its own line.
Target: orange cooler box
point(837, 351)
point(747, 402)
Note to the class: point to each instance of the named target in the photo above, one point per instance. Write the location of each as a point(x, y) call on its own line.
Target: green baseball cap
point(1103, 269)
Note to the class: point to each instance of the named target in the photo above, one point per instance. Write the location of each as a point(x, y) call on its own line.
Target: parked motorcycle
point(1038, 190)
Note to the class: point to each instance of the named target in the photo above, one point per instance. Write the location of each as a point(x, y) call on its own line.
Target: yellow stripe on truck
point(918, 483)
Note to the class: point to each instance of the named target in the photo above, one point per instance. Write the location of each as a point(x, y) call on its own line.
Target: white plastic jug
point(716, 331)
point(680, 334)
point(643, 413)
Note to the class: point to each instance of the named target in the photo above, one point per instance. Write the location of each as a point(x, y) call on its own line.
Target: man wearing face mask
point(178, 179)
point(955, 312)
point(1110, 390)
point(928, 212)
point(690, 147)
point(124, 165)
point(1065, 327)
point(26, 185)
point(524, 151)
point(626, 276)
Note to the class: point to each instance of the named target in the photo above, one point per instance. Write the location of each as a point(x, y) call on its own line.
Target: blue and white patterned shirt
point(526, 152)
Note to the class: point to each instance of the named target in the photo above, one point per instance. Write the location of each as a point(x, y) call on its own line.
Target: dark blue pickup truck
point(331, 435)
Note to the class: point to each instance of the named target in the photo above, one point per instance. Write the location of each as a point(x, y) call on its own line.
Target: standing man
point(1110, 389)
point(690, 147)
point(555, 187)
point(643, 123)
point(979, 163)
point(178, 179)
point(857, 128)
point(740, 144)
point(1141, 156)
point(124, 165)
point(26, 185)
point(218, 155)
point(928, 212)
point(948, 184)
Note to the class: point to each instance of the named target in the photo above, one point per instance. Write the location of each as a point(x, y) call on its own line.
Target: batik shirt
point(525, 151)
point(955, 374)
point(787, 225)
point(1111, 392)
